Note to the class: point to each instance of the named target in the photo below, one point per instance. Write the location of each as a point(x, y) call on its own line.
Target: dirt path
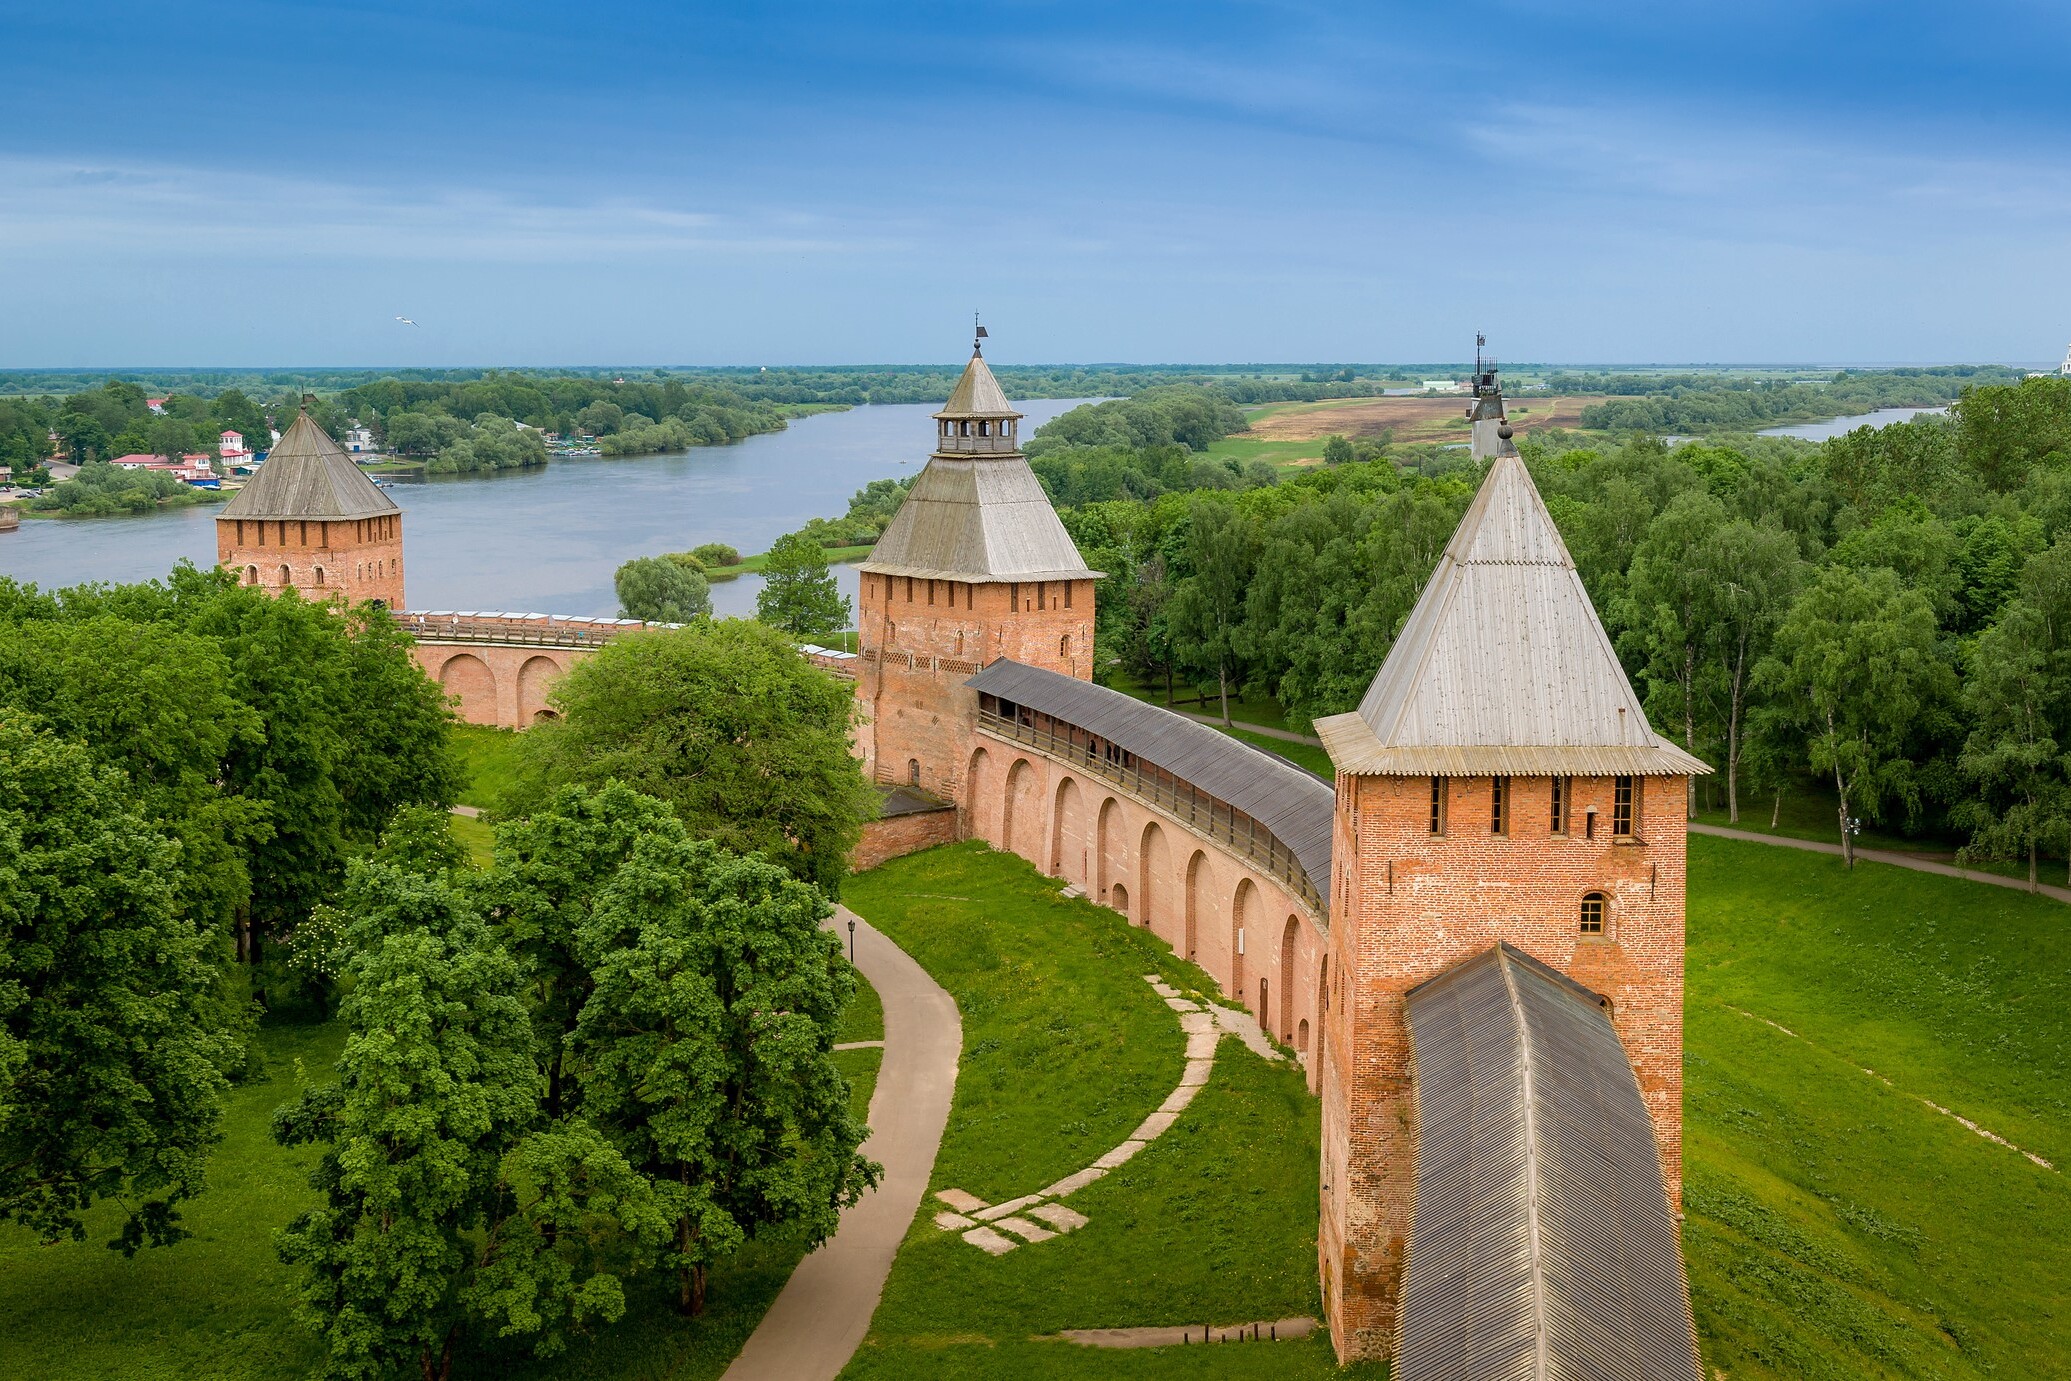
point(820, 1318)
point(1896, 860)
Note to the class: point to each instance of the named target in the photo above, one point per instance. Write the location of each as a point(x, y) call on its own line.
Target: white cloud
point(63, 206)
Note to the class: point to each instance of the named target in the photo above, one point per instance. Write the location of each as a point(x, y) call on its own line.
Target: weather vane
point(976, 347)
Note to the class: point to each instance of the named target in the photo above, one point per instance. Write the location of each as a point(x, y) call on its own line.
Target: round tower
point(974, 567)
point(310, 520)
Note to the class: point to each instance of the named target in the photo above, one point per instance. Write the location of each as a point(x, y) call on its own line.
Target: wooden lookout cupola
point(975, 566)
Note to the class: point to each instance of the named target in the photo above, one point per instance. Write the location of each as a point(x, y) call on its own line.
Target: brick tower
point(310, 520)
point(1499, 782)
point(975, 566)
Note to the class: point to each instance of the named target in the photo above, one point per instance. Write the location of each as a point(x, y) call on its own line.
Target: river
point(548, 540)
point(1841, 426)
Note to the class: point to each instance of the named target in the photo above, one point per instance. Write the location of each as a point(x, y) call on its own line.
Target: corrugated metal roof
point(1297, 806)
point(978, 518)
point(977, 394)
point(1541, 1245)
point(1505, 651)
point(307, 475)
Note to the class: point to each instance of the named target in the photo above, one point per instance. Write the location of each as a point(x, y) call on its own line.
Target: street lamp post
point(852, 944)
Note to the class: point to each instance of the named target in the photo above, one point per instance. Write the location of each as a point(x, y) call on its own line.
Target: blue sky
point(248, 183)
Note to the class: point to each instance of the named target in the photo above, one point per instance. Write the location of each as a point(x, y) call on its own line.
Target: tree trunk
point(1847, 836)
point(1776, 810)
point(1733, 747)
point(1222, 685)
point(690, 1278)
point(2032, 885)
point(1168, 680)
point(1689, 726)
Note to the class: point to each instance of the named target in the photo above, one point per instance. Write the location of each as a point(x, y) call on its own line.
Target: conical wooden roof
point(308, 475)
point(977, 394)
point(1503, 665)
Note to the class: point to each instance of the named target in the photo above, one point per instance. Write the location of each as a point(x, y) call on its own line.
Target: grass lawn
point(218, 1305)
point(1257, 709)
point(478, 836)
point(755, 562)
point(1808, 810)
point(490, 758)
point(1066, 1048)
point(1306, 755)
point(1837, 1227)
point(1288, 454)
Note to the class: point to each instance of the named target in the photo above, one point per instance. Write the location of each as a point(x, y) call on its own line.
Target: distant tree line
point(1886, 613)
point(1693, 404)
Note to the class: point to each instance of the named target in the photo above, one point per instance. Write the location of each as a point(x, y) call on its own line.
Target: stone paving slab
point(1154, 1126)
point(1002, 1210)
point(1025, 1230)
point(1072, 1184)
point(1197, 1023)
point(859, 1045)
point(1059, 1217)
point(1265, 1329)
point(1197, 1073)
point(990, 1242)
point(1244, 1027)
point(1179, 1099)
point(953, 1222)
point(1180, 1004)
point(960, 1201)
point(1119, 1155)
point(1201, 1045)
point(1160, 986)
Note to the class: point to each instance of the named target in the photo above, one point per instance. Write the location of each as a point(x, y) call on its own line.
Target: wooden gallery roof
point(1540, 1243)
point(1503, 666)
point(308, 475)
point(1298, 807)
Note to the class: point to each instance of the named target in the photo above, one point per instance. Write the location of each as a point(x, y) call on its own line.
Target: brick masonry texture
point(351, 559)
point(504, 687)
point(903, 834)
point(1408, 905)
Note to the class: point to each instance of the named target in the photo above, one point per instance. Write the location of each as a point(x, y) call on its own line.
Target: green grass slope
point(1838, 1226)
point(1066, 1049)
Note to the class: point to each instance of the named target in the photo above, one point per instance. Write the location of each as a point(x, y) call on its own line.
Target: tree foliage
point(798, 593)
point(659, 590)
point(111, 1049)
point(725, 721)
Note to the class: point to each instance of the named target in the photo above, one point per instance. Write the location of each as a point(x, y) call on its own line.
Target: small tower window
point(1499, 805)
point(1064, 646)
point(1438, 805)
point(1013, 597)
point(1561, 789)
point(966, 428)
point(1624, 792)
point(985, 429)
point(1067, 594)
point(913, 770)
point(1593, 904)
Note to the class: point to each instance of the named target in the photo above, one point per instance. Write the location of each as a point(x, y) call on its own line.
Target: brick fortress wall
point(1406, 906)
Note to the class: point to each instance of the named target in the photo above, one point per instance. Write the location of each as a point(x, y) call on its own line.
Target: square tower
point(310, 520)
point(975, 566)
point(1498, 783)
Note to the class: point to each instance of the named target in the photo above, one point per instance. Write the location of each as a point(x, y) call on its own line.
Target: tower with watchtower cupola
point(974, 567)
point(1499, 784)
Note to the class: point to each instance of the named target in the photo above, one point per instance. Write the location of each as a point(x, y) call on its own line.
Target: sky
point(221, 184)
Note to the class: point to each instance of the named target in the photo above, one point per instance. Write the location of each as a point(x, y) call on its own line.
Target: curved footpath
point(1896, 860)
point(820, 1318)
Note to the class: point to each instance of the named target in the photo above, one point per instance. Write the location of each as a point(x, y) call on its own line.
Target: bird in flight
point(406, 321)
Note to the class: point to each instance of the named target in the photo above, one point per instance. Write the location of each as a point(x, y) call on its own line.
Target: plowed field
point(1409, 419)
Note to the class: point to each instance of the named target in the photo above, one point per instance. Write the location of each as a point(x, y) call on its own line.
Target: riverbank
point(752, 565)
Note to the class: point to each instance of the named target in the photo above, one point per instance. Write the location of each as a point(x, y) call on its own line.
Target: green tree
point(1756, 573)
point(798, 592)
point(1853, 672)
point(444, 1204)
point(724, 720)
point(707, 1049)
point(110, 1052)
point(658, 590)
point(549, 868)
point(2013, 752)
point(1336, 450)
point(1207, 611)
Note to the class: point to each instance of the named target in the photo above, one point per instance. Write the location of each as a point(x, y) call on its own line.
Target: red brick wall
point(353, 560)
point(899, 835)
point(505, 687)
point(1406, 906)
